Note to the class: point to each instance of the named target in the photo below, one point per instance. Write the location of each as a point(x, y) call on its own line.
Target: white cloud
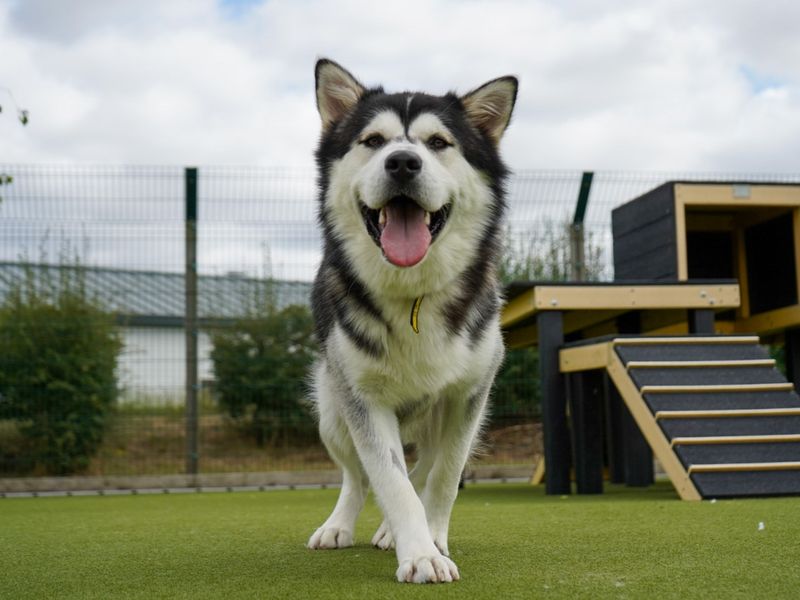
point(622, 84)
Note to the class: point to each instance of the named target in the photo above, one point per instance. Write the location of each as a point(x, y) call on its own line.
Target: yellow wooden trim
point(724, 414)
point(722, 194)
point(771, 321)
point(644, 341)
point(741, 271)
point(736, 467)
point(538, 473)
point(617, 297)
point(742, 387)
point(734, 439)
point(671, 321)
point(584, 358)
point(724, 327)
point(681, 364)
point(518, 309)
point(681, 252)
point(650, 429)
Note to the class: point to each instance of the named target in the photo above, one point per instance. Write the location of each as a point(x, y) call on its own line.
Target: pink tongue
point(405, 237)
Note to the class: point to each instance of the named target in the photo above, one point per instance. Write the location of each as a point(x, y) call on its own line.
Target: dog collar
point(415, 314)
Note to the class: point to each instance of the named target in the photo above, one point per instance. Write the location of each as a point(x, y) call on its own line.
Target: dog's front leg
point(459, 429)
point(376, 433)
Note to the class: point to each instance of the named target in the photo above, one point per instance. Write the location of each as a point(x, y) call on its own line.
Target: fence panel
point(116, 235)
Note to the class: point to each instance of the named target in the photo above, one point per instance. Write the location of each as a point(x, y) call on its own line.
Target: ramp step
point(707, 376)
point(688, 352)
point(762, 466)
point(729, 484)
point(726, 426)
point(747, 387)
point(734, 439)
point(711, 414)
point(721, 400)
point(711, 339)
point(680, 364)
point(737, 453)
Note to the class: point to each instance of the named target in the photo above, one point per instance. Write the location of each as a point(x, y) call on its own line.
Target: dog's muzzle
point(403, 229)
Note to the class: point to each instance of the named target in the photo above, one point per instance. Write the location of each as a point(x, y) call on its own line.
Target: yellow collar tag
point(415, 314)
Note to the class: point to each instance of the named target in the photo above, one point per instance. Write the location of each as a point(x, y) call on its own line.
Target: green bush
point(58, 357)
point(541, 254)
point(261, 365)
point(516, 397)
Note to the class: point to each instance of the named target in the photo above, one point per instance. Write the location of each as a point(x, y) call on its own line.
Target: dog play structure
point(667, 360)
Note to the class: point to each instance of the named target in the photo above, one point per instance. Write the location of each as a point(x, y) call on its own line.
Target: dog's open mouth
point(403, 229)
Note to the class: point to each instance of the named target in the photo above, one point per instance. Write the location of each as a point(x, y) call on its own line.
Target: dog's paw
point(330, 537)
point(383, 538)
point(428, 569)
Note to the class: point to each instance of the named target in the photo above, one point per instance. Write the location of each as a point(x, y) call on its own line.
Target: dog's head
point(412, 182)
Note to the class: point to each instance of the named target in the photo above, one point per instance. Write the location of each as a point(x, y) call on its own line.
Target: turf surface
point(509, 541)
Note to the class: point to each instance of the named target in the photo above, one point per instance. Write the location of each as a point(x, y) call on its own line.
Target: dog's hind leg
point(383, 538)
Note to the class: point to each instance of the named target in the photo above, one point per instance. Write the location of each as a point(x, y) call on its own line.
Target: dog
point(406, 302)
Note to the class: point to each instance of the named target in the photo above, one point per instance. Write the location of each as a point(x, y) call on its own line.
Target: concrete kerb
point(213, 482)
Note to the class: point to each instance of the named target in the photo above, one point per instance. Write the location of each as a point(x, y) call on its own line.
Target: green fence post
point(578, 262)
point(190, 328)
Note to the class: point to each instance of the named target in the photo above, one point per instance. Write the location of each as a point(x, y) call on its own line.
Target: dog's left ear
point(489, 107)
point(338, 92)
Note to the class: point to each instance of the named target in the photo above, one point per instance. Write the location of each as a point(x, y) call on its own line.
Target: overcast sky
point(655, 85)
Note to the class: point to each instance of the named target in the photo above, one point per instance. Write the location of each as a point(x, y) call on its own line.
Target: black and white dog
point(406, 302)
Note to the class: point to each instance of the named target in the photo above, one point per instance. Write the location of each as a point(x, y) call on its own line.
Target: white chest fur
point(415, 365)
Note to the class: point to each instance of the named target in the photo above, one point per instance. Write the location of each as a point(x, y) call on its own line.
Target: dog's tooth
point(427, 218)
point(382, 217)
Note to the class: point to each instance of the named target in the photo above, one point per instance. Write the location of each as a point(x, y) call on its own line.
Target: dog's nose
point(403, 166)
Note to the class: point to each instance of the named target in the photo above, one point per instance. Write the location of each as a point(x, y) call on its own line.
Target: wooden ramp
point(718, 415)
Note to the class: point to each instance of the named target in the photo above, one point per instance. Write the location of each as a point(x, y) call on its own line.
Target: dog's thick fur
point(386, 162)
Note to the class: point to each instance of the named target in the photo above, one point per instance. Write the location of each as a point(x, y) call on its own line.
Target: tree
point(22, 115)
point(58, 357)
point(261, 364)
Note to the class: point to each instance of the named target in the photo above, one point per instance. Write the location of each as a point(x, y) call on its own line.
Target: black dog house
point(746, 231)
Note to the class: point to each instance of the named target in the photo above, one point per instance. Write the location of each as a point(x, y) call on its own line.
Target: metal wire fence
point(114, 236)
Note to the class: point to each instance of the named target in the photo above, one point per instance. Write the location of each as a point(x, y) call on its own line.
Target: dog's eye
point(437, 143)
point(374, 141)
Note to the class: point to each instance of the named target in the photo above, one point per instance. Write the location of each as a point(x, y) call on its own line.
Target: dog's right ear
point(338, 92)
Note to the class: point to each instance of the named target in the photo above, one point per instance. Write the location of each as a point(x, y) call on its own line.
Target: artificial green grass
point(509, 541)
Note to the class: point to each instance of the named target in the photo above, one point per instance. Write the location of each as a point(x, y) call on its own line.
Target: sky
point(620, 85)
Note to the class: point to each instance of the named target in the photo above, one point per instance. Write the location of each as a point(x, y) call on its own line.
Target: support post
point(190, 325)
point(792, 357)
point(554, 406)
point(636, 453)
point(586, 410)
point(701, 320)
point(615, 437)
point(576, 233)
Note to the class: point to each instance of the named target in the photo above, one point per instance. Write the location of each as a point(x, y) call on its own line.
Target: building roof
point(152, 298)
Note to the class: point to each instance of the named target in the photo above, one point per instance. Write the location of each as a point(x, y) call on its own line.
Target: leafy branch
point(22, 114)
